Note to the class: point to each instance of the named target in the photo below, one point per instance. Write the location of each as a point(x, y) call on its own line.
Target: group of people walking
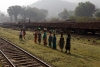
point(51, 39)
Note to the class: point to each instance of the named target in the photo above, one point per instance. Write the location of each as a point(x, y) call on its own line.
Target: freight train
point(77, 27)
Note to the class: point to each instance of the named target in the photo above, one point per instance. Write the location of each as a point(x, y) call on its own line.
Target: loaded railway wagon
point(48, 25)
point(87, 27)
point(7, 24)
point(78, 27)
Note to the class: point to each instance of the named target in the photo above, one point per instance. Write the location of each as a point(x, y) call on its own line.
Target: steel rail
point(7, 58)
point(26, 52)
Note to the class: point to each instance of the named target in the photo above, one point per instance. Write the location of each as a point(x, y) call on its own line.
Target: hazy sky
point(4, 4)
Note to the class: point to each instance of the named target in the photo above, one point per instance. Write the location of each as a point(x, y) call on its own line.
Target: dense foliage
point(27, 12)
point(64, 14)
point(86, 9)
point(97, 14)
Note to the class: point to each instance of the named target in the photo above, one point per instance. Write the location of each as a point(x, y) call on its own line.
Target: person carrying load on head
point(39, 36)
point(50, 39)
point(45, 37)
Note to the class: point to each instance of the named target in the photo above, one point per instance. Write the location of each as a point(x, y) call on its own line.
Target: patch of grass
point(83, 52)
point(1, 65)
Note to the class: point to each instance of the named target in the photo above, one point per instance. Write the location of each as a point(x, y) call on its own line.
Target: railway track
point(13, 56)
point(6, 62)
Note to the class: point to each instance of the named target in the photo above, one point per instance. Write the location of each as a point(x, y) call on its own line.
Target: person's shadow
point(75, 55)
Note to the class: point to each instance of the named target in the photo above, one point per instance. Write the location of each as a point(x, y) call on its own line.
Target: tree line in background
point(83, 12)
point(3, 17)
point(26, 12)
